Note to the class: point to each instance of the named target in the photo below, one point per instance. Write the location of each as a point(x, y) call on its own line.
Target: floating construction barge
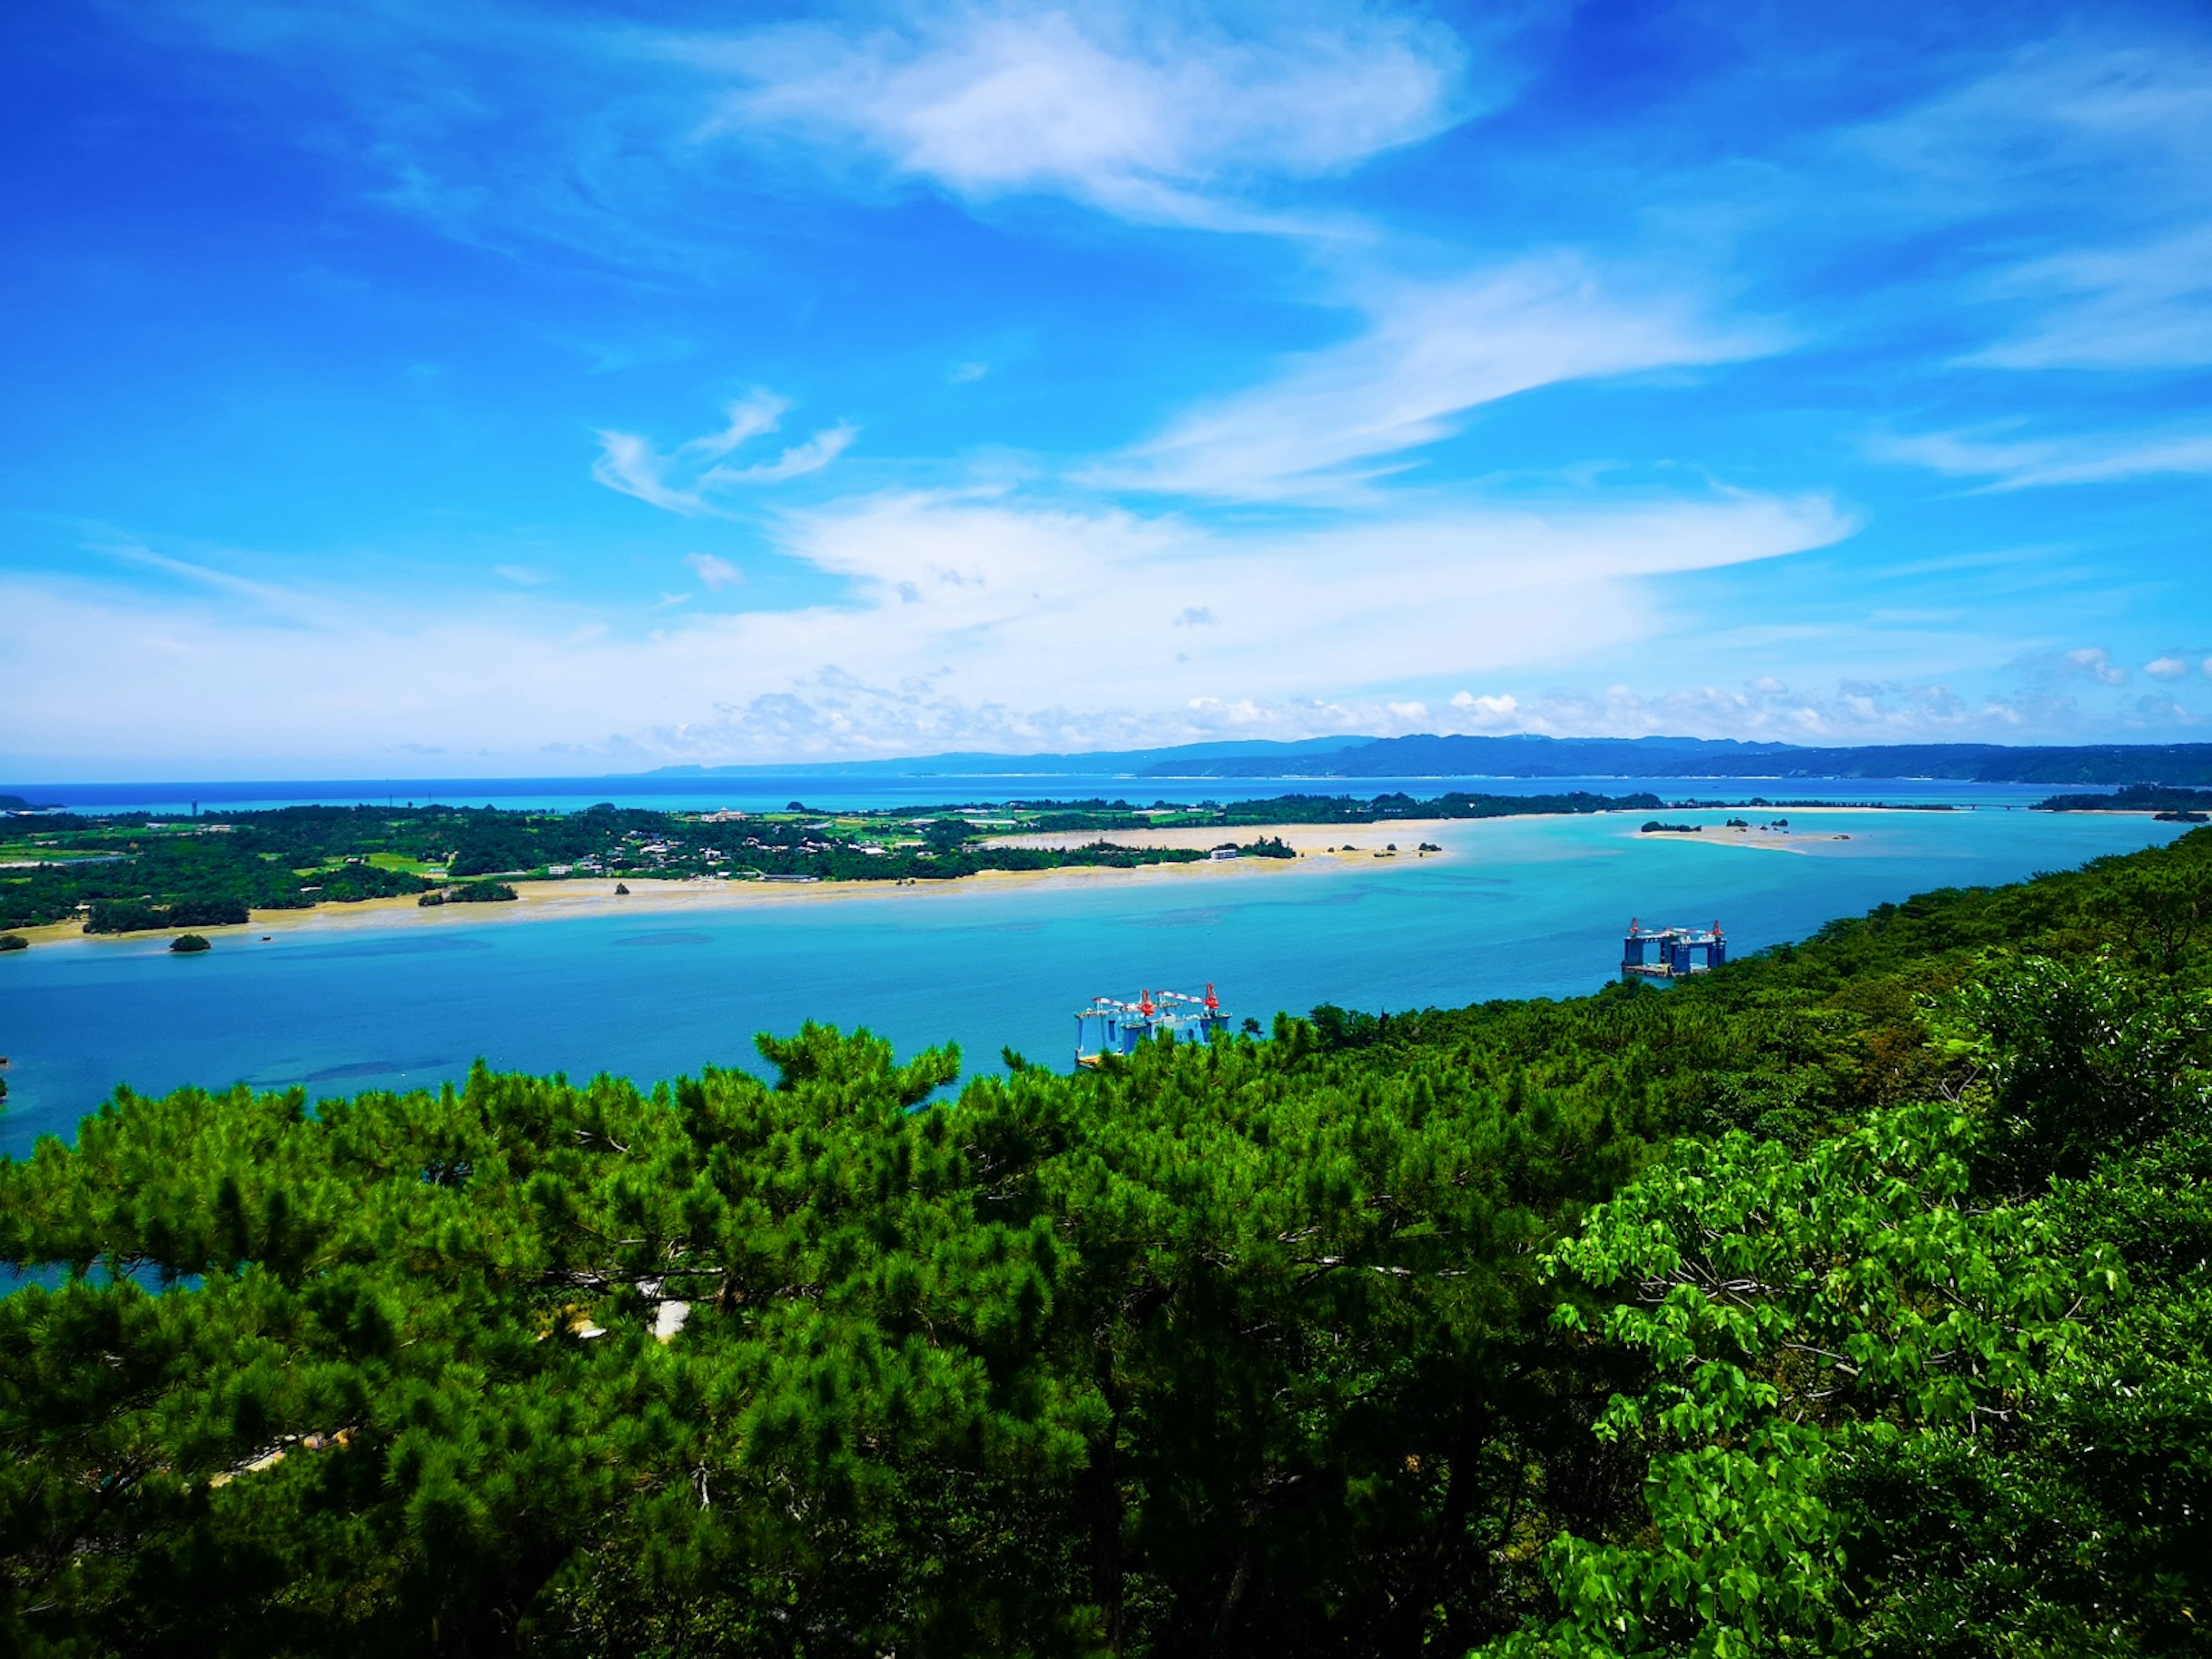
point(1111, 1027)
point(1671, 952)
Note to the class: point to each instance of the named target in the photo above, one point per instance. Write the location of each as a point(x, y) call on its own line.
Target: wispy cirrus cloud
point(2147, 305)
point(687, 479)
point(1159, 113)
point(203, 572)
point(2092, 145)
point(714, 570)
point(2030, 464)
point(2056, 113)
point(1334, 419)
point(1176, 114)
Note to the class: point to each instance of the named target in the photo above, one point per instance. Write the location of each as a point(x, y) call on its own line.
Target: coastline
point(572, 898)
point(1322, 848)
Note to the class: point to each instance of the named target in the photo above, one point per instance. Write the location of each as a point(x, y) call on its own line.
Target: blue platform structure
point(1671, 952)
point(1110, 1027)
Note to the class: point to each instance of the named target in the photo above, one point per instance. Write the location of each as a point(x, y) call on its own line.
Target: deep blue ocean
point(1527, 906)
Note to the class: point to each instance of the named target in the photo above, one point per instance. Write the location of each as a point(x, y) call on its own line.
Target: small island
point(2166, 802)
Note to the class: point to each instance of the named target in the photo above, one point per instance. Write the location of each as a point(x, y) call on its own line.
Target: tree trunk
point(1402, 1640)
point(1101, 1503)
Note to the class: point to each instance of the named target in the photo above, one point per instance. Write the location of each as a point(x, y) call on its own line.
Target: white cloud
point(2095, 662)
point(2028, 464)
point(1039, 596)
point(2166, 668)
point(1771, 710)
point(1489, 711)
point(978, 620)
point(687, 479)
point(1340, 416)
point(714, 570)
point(1152, 113)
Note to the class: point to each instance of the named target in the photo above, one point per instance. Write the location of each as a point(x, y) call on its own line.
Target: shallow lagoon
point(1519, 907)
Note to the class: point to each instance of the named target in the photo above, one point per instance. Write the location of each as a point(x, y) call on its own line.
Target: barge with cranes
point(1671, 952)
point(1111, 1027)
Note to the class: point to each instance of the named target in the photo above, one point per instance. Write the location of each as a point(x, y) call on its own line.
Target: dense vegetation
point(1851, 1298)
point(2136, 798)
point(130, 871)
point(1459, 756)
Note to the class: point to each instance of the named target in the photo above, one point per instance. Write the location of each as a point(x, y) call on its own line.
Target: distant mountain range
point(1181, 761)
point(1432, 756)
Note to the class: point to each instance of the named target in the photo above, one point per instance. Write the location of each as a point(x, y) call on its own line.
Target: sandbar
point(1768, 840)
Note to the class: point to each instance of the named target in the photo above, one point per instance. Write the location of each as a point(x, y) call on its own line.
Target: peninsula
point(134, 872)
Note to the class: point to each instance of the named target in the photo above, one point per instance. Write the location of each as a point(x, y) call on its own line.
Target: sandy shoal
point(555, 901)
point(1799, 838)
point(1771, 841)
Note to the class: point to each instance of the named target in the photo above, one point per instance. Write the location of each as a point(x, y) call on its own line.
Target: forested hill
point(1853, 1298)
point(1429, 757)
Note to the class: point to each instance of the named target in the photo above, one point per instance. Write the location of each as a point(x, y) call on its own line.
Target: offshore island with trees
point(136, 872)
point(1853, 1298)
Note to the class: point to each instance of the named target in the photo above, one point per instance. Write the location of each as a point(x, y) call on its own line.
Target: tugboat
point(1111, 1027)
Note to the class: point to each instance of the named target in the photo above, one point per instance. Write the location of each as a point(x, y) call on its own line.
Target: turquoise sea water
point(1527, 906)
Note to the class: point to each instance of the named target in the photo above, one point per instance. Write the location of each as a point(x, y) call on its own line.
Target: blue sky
point(456, 387)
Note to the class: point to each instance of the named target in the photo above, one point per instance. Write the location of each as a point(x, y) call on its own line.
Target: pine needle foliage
point(1851, 1299)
